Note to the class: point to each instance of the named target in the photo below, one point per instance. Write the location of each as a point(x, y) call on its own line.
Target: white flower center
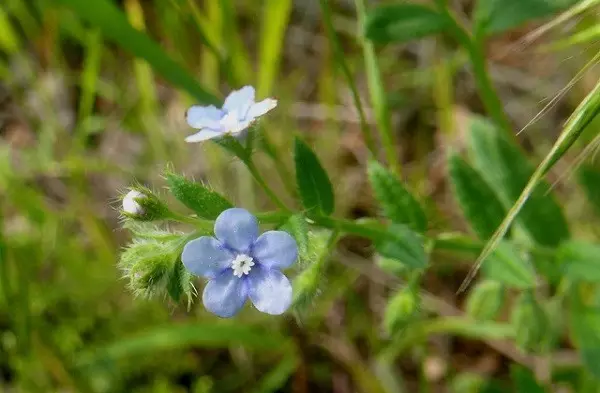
point(242, 264)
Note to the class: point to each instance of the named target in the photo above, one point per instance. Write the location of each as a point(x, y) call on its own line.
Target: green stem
point(475, 50)
point(340, 58)
point(259, 179)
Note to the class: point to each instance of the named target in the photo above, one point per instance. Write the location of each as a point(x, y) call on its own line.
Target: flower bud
point(143, 205)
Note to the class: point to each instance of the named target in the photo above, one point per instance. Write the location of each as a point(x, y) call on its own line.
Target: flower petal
point(275, 249)
point(206, 256)
point(224, 295)
point(238, 98)
point(203, 116)
point(269, 290)
point(260, 108)
point(203, 135)
point(237, 228)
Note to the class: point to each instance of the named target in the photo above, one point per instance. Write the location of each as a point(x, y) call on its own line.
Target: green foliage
point(205, 202)
point(401, 310)
point(485, 300)
point(580, 260)
point(403, 245)
point(315, 188)
point(479, 203)
point(524, 380)
point(309, 282)
point(507, 171)
point(589, 179)
point(496, 16)
point(507, 266)
point(530, 322)
point(297, 227)
point(397, 203)
point(114, 26)
point(403, 22)
point(584, 327)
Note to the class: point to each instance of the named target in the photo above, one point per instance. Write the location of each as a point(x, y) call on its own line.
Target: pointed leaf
point(485, 300)
point(202, 200)
point(403, 22)
point(479, 203)
point(580, 260)
point(315, 188)
point(403, 245)
point(507, 267)
point(507, 171)
point(397, 202)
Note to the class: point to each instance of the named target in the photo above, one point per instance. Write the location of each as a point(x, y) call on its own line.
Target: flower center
point(242, 264)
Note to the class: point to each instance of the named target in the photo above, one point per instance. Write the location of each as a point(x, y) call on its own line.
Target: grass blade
point(587, 110)
point(113, 24)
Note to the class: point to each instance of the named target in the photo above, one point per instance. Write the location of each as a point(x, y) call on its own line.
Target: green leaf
point(397, 203)
point(402, 308)
point(479, 203)
point(495, 16)
point(506, 266)
point(198, 334)
point(403, 22)
point(507, 171)
point(585, 332)
point(297, 227)
point(315, 188)
point(580, 260)
point(589, 179)
point(530, 322)
point(403, 245)
point(179, 283)
point(205, 202)
point(114, 26)
point(485, 300)
point(524, 380)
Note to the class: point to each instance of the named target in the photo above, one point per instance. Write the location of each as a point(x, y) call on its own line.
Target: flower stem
point(261, 181)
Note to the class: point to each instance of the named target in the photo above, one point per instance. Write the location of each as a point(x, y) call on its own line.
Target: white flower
point(238, 113)
point(130, 205)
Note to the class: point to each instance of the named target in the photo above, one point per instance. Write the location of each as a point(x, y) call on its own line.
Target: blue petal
point(239, 98)
point(203, 116)
point(203, 135)
point(224, 295)
point(260, 108)
point(237, 228)
point(269, 290)
point(275, 249)
point(206, 256)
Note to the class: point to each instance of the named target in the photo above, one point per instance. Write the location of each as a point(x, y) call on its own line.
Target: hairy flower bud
point(141, 204)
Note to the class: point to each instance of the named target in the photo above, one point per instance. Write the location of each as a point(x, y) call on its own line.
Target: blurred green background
point(93, 95)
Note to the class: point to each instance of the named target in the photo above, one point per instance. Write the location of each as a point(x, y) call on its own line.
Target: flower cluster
point(239, 263)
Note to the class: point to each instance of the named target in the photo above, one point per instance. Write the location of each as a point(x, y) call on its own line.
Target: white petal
point(260, 108)
point(203, 136)
point(238, 98)
point(203, 116)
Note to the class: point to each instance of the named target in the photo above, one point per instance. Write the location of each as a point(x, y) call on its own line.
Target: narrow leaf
point(479, 203)
point(495, 16)
point(589, 179)
point(202, 200)
point(403, 22)
point(315, 188)
point(507, 171)
point(397, 202)
point(405, 247)
point(114, 26)
point(507, 267)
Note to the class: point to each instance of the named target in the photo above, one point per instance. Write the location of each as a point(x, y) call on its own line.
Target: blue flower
point(238, 113)
point(240, 264)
